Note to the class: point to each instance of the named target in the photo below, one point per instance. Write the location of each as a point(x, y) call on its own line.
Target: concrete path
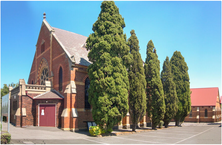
point(189, 133)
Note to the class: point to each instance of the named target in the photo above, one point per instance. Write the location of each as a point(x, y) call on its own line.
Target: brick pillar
point(126, 121)
point(143, 122)
point(69, 114)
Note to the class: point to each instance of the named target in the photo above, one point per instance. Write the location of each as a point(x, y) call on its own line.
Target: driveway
point(189, 133)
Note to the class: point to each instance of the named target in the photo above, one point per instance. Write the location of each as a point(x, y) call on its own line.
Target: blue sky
point(193, 28)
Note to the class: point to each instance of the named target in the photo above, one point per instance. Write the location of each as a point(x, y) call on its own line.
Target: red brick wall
point(201, 114)
point(60, 59)
point(27, 103)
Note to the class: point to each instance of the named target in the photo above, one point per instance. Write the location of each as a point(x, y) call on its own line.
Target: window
point(60, 79)
point(197, 108)
point(87, 84)
point(191, 113)
point(43, 47)
point(32, 81)
point(205, 113)
point(44, 76)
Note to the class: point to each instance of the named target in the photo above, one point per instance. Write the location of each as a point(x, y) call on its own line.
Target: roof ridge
point(68, 31)
point(205, 88)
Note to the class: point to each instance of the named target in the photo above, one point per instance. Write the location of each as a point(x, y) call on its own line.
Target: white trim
point(39, 111)
point(40, 95)
point(63, 47)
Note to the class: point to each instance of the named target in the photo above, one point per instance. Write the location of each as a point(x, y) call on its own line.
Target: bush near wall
point(5, 138)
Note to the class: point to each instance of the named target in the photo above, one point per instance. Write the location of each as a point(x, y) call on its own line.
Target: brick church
point(56, 92)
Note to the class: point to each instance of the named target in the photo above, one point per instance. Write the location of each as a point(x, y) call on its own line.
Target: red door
point(47, 115)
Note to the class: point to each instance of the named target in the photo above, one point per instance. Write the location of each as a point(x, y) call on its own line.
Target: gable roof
point(53, 94)
point(204, 96)
point(72, 43)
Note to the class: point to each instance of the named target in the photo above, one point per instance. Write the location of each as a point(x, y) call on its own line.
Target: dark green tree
point(170, 94)
point(181, 79)
point(155, 95)
point(137, 81)
point(109, 54)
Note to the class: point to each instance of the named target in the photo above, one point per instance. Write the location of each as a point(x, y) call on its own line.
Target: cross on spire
point(44, 15)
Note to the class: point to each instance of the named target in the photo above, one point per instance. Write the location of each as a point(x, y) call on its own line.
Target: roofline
point(205, 88)
point(48, 99)
point(40, 95)
point(201, 105)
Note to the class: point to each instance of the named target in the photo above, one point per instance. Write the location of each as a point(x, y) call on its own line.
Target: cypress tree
point(109, 53)
point(137, 95)
point(181, 79)
point(170, 95)
point(155, 96)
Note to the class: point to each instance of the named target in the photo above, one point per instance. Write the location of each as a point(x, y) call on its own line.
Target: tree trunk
point(166, 124)
point(134, 127)
point(177, 122)
point(153, 126)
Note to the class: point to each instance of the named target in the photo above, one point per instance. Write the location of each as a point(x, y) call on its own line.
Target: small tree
point(137, 95)
point(109, 53)
point(155, 96)
point(170, 94)
point(181, 79)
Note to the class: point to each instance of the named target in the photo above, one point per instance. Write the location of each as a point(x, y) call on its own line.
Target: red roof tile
point(204, 96)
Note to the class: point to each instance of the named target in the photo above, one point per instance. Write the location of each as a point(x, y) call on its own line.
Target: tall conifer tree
point(137, 81)
point(155, 96)
point(181, 79)
point(109, 53)
point(170, 94)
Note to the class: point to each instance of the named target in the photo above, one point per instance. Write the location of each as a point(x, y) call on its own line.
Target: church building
point(56, 92)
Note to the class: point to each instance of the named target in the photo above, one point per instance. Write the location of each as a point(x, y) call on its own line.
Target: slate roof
point(72, 43)
point(53, 94)
point(204, 96)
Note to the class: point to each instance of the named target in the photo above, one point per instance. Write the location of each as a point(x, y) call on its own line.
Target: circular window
point(44, 76)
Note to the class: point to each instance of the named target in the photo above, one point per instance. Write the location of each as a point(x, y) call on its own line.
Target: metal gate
point(47, 115)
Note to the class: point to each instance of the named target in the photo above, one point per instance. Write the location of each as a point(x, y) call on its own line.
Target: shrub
point(161, 124)
point(4, 118)
point(5, 138)
point(95, 130)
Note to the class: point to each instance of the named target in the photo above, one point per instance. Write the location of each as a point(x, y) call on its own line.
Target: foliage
point(181, 79)
point(109, 54)
point(161, 124)
point(155, 95)
point(170, 94)
point(4, 118)
point(94, 130)
point(5, 89)
point(137, 95)
point(5, 138)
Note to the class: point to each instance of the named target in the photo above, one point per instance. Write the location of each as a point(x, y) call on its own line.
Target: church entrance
point(47, 115)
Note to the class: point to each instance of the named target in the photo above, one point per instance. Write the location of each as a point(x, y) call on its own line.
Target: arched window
point(44, 76)
point(32, 81)
point(60, 79)
point(87, 84)
point(205, 113)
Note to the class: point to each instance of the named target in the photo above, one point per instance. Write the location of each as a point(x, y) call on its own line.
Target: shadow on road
point(214, 124)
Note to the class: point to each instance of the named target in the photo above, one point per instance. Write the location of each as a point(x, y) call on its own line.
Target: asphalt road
point(188, 134)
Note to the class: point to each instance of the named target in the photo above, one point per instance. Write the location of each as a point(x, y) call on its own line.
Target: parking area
point(187, 134)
